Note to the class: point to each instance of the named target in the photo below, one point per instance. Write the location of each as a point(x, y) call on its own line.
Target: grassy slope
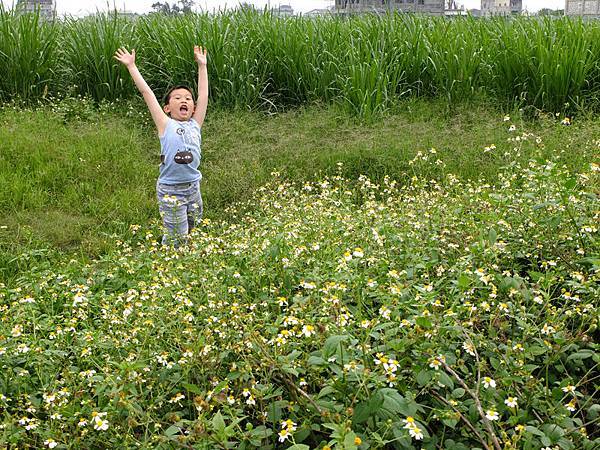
point(69, 186)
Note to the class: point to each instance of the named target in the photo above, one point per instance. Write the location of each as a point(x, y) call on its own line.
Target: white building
point(433, 7)
point(283, 11)
point(318, 12)
point(585, 8)
point(46, 7)
point(501, 7)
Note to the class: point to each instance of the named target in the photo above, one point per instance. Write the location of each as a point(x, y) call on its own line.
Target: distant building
point(283, 11)
point(452, 8)
point(317, 12)
point(46, 7)
point(584, 8)
point(127, 14)
point(433, 7)
point(501, 7)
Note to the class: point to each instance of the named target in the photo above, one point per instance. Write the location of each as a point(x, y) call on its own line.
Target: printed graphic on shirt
point(184, 157)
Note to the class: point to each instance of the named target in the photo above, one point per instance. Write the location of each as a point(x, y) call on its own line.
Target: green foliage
point(367, 64)
point(440, 313)
point(92, 175)
point(29, 56)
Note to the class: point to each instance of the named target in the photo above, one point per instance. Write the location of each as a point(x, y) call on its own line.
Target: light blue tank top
point(180, 152)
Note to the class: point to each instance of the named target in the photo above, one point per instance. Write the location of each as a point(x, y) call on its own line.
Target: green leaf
point(326, 391)
point(218, 423)
point(570, 184)
point(492, 236)
point(332, 343)
point(464, 281)
point(192, 388)
point(458, 392)
point(594, 411)
point(299, 447)
point(423, 322)
point(423, 377)
point(316, 361)
point(349, 441)
point(565, 444)
point(534, 430)
point(582, 354)
point(394, 404)
point(275, 410)
point(450, 422)
point(446, 380)
point(172, 431)
point(366, 409)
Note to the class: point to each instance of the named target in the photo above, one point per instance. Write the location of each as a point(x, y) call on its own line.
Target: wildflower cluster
point(324, 314)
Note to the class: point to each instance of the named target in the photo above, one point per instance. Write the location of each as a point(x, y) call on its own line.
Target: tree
point(551, 12)
point(181, 7)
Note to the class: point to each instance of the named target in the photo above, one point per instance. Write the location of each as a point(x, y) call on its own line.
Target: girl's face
point(181, 105)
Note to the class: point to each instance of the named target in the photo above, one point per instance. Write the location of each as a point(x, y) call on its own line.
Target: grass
point(366, 64)
point(93, 173)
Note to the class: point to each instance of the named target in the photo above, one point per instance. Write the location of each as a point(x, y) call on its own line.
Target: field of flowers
point(339, 313)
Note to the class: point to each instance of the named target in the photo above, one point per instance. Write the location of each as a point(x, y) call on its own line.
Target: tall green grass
point(28, 56)
point(367, 63)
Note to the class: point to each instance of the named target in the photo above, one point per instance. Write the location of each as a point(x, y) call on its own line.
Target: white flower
point(284, 435)
point(177, 398)
point(385, 312)
point(512, 128)
point(100, 424)
point(568, 388)
point(51, 443)
point(571, 405)
point(489, 382)
point(469, 348)
point(435, 363)
point(289, 425)
point(491, 414)
point(409, 423)
point(308, 330)
point(511, 402)
point(416, 433)
point(547, 329)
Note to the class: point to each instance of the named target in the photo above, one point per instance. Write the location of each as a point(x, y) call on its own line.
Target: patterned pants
point(180, 207)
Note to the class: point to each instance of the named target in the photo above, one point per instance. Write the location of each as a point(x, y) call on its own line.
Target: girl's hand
point(123, 56)
point(200, 55)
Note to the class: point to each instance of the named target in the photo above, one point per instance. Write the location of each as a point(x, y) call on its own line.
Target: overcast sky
point(82, 7)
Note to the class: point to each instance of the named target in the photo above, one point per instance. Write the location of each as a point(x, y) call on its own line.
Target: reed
point(258, 61)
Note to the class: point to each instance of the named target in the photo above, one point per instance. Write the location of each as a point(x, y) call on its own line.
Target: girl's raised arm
point(158, 115)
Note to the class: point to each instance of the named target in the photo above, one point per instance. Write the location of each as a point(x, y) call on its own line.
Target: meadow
point(336, 313)
point(400, 247)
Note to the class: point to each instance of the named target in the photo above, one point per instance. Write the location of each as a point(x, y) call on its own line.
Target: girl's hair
point(167, 97)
